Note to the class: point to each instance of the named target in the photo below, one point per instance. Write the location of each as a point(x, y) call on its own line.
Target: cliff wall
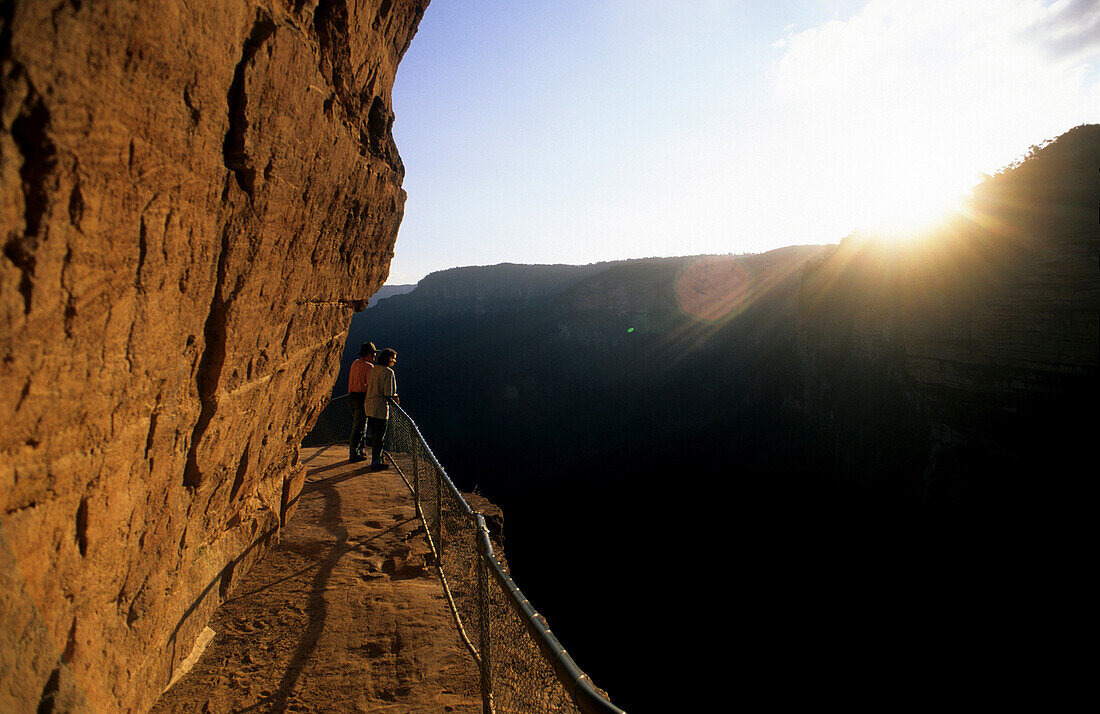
point(977, 347)
point(196, 197)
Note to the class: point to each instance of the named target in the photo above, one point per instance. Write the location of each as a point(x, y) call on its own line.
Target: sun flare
point(912, 205)
point(915, 215)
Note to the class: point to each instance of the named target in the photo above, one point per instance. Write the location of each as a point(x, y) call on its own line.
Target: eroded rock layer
point(196, 197)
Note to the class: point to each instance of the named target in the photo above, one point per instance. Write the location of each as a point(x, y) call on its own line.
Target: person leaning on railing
point(381, 387)
point(358, 376)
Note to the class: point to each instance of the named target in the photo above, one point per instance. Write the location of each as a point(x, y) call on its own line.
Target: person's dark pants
point(358, 424)
point(377, 434)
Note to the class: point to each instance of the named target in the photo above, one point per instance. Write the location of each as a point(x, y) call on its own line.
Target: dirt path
point(343, 616)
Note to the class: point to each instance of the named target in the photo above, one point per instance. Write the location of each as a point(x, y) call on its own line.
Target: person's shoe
point(356, 458)
point(379, 467)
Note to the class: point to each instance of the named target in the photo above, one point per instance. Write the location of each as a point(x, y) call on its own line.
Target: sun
point(912, 206)
point(917, 220)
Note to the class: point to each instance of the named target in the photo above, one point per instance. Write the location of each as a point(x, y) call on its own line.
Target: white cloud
point(905, 101)
point(1070, 29)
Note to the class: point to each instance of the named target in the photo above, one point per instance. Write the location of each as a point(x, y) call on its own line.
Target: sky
point(542, 131)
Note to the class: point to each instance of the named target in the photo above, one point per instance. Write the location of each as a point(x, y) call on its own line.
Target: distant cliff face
point(488, 290)
point(981, 342)
point(526, 355)
point(196, 197)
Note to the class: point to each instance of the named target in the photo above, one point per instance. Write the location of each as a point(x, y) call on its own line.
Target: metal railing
point(522, 666)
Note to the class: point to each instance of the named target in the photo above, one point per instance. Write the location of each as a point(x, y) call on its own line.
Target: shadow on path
point(318, 607)
point(351, 544)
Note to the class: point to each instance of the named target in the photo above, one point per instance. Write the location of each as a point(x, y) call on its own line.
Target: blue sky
point(541, 131)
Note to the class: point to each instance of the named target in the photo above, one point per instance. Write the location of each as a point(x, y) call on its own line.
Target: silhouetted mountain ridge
point(388, 291)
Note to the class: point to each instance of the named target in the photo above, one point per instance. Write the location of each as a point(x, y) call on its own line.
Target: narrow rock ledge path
point(345, 615)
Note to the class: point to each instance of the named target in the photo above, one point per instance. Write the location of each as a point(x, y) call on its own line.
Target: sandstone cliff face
point(196, 197)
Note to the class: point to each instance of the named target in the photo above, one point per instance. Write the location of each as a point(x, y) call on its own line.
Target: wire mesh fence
point(333, 424)
point(522, 665)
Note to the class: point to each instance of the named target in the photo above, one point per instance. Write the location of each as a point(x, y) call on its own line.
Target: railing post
point(439, 512)
point(416, 477)
point(483, 622)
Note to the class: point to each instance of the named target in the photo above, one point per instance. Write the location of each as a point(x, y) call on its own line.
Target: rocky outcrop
point(196, 197)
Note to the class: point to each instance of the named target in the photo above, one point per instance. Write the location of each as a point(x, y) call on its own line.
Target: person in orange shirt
point(357, 393)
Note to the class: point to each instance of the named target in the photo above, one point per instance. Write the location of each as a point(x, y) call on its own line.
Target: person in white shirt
point(381, 387)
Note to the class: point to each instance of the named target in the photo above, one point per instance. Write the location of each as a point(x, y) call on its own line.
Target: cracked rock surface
point(196, 197)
